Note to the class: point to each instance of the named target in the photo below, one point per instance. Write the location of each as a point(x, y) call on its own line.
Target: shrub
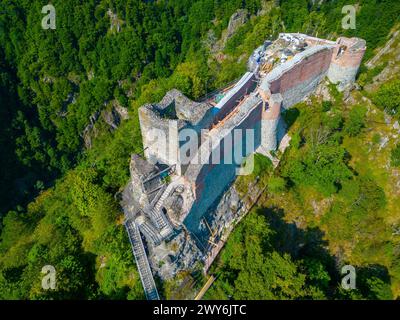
point(276, 184)
point(376, 138)
point(388, 97)
point(356, 121)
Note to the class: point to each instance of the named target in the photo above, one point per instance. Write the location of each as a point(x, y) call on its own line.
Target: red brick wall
point(308, 68)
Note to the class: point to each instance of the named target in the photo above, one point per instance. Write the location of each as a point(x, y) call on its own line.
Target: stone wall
point(209, 181)
point(244, 86)
point(164, 148)
point(204, 181)
point(299, 77)
point(269, 123)
point(346, 60)
point(289, 84)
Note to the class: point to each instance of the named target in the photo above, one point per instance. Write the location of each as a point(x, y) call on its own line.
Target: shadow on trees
point(290, 116)
point(372, 281)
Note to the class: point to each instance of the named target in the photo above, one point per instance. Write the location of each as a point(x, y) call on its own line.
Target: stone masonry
point(177, 186)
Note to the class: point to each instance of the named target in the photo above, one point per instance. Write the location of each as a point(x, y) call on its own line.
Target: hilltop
point(85, 81)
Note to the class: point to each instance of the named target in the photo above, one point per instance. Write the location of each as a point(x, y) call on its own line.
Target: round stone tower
point(269, 121)
point(346, 60)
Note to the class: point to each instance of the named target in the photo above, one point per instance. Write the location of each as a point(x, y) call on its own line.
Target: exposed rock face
point(388, 58)
point(387, 48)
point(90, 74)
point(174, 205)
point(238, 19)
point(388, 73)
point(383, 142)
point(210, 40)
point(116, 23)
point(122, 111)
point(196, 198)
point(227, 210)
point(90, 131)
point(180, 254)
point(48, 79)
point(323, 92)
point(266, 6)
point(113, 118)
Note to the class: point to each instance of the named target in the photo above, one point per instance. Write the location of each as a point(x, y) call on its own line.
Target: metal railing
point(142, 263)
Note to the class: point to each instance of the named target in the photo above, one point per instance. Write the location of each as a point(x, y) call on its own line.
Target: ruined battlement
point(293, 78)
point(174, 113)
point(183, 138)
point(281, 74)
point(346, 60)
point(298, 76)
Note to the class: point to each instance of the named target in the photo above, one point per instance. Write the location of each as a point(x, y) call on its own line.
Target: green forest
point(59, 199)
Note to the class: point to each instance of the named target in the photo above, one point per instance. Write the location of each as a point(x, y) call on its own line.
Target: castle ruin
point(172, 194)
